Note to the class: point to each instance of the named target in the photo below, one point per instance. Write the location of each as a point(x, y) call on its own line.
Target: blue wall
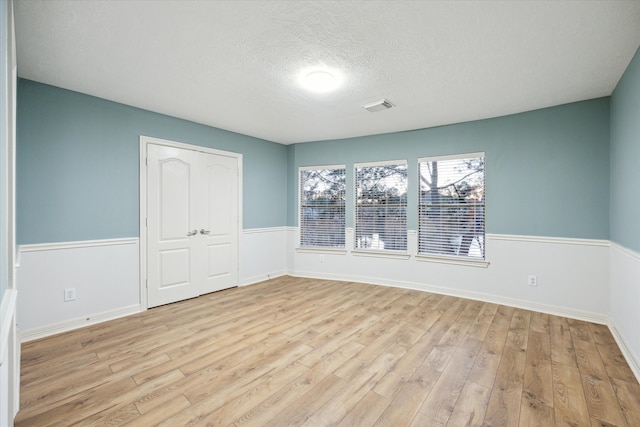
point(547, 171)
point(78, 166)
point(625, 158)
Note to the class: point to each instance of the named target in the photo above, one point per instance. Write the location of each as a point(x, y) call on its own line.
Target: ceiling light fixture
point(320, 81)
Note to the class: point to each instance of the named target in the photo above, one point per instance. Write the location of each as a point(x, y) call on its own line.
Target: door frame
point(144, 143)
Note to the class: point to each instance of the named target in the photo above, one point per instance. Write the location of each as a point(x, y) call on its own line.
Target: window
point(381, 206)
point(451, 206)
point(322, 195)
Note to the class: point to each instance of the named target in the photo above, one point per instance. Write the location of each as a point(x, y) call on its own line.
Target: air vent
point(380, 105)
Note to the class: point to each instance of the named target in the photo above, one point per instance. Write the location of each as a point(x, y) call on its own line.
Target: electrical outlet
point(69, 294)
point(321, 258)
point(532, 280)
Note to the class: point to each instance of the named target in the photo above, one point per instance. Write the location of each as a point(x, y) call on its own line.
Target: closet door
point(219, 223)
point(192, 223)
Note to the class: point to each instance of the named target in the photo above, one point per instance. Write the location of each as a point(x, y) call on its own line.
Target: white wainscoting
point(625, 303)
point(264, 254)
point(105, 274)
point(572, 274)
point(9, 359)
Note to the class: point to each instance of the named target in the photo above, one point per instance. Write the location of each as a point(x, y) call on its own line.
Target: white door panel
point(222, 224)
point(192, 225)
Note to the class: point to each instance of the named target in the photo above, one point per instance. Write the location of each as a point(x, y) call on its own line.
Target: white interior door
point(219, 237)
point(192, 223)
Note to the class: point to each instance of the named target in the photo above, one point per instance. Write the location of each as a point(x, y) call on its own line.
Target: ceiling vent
point(383, 104)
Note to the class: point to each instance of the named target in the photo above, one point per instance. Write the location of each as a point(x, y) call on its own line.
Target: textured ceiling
point(234, 64)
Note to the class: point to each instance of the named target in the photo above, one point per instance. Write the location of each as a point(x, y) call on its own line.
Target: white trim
point(142, 207)
point(78, 244)
point(200, 148)
point(265, 230)
point(308, 168)
point(629, 252)
point(80, 322)
point(321, 250)
point(630, 357)
point(262, 277)
point(144, 142)
point(7, 312)
point(471, 262)
point(380, 163)
point(380, 254)
point(451, 157)
point(602, 319)
point(543, 239)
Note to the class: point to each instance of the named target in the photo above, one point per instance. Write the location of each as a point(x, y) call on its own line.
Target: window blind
point(451, 206)
point(322, 207)
point(381, 206)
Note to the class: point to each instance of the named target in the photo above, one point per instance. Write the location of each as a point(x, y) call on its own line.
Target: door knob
point(203, 231)
point(192, 233)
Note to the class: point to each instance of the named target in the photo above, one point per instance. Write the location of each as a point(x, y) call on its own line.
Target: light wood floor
point(308, 352)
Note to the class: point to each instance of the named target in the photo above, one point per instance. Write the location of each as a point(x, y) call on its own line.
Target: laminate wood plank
point(407, 401)
point(221, 408)
point(483, 321)
point(442, 399)
point(293, 351)
point(297, 414)
point(570, 406)
point(562, 350)
point(604, 406)
point(112, 405)
point(539, 322)
point(537, 394)
point(504, 403)
point(431, 349)
point(580, 330)
point(216, 379)
point(589, 360)
point(538, 377)
point(344, 400)
point(403, 337)
point(628, 393)
point(338, 340)
point(486, 365)
point(366, 411)
point(520, 319)
point(112, 417)
point(166, 408)
point(416, 355)
point(614, 362)
point(602, 335)
point(286, 396)
point(76, 407)
point(471, 406)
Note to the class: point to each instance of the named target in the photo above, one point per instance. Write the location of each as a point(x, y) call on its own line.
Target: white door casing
point(191, 221)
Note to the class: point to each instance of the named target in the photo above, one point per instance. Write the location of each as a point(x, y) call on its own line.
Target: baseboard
point(632, 359)
point(33, 334)
point(262, 277)
point(494, 299)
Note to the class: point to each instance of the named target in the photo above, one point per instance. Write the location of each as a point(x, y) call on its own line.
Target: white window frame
point(387, 253)
point(318, 248)
point(481, 239)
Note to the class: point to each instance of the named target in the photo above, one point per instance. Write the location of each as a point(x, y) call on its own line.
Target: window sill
point(456, 261)
point(381, 254)
point(320, 250)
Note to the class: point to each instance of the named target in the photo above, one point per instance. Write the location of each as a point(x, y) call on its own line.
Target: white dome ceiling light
point(320, 80)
